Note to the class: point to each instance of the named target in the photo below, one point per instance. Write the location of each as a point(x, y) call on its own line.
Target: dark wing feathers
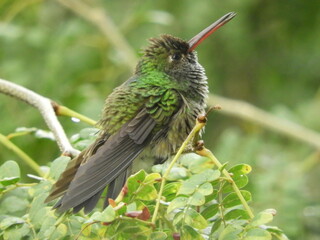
point(115, 186)
point(110, 161)
point(138, 134)
point(89, 204)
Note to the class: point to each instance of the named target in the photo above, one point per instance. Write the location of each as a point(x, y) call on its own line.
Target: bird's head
point(177, 57)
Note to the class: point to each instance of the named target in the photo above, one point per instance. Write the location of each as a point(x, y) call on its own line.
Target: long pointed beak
point(196, 40)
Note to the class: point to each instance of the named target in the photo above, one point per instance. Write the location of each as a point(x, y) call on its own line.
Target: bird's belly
point(177, 131)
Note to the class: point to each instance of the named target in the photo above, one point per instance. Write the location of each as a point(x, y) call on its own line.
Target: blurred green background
point(269, 56)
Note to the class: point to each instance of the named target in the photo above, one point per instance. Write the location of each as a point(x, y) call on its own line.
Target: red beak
point(196, 40)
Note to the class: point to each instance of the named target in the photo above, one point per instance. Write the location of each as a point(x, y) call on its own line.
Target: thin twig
point(251, 113)
point(199, 125)
point(64, 111)
point(207, 153)
point(28, 160)
point(45, 108)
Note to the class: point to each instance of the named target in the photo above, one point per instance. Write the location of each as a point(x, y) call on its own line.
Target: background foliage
point(268, 55)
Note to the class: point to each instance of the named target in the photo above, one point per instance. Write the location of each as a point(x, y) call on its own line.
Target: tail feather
point(89, 204)
point(116, 186)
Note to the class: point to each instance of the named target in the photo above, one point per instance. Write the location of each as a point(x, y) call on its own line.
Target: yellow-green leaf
point(257, 234)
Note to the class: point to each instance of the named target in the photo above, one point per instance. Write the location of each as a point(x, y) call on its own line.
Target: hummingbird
point(147, 117)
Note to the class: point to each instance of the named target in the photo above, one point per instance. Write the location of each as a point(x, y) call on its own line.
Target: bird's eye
point(176, 56)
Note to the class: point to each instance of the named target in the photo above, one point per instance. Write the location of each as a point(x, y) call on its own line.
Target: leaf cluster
point(197, 203)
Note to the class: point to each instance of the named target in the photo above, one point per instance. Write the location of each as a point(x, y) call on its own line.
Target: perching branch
point(253, 114)
point(44, 105)
point(64, 111)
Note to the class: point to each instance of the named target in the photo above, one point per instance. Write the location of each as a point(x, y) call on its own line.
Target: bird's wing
point(109, 161)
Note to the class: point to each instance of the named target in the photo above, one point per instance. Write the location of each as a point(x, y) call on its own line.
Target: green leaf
point(150, 178)
point(9, 169)
point(38, 209)
point(135, 181)
point(274, 229)
point(14, 204)
point(196, 163)
point(208, 175)
point(170, 190)
point(158, 236)
point(240, 169)
point(140, 205)
point(232, 199)
point(42, 188)
point(239, 176)
point(9, 221)
point(189, 186)
point(9, 181)
point(178, 220)
point(75, 223)
point(177, 203)
point(262, 218)
point(177, 173)
point(107, 215)
point(38, 214)
point(188, 233)
point(157, 168)
point(122, 209)
point(134, 229)
point(147, 192)
point(47, 226)
point(86, 229)
point(212, 196)
point(216, 225)
point(17, 232)
point(257, 234)
point(205, 189)
point(277, 232)
point(210, 211)
point(230, 232)
point(58, 166)
point(236, 214)
point(187, 158)
point(197, 199)
point(195, 219)
point(60, 231)
point(240, 180)
point(2, 188)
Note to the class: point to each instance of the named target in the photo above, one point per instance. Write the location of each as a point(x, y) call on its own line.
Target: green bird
point(146, 118)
